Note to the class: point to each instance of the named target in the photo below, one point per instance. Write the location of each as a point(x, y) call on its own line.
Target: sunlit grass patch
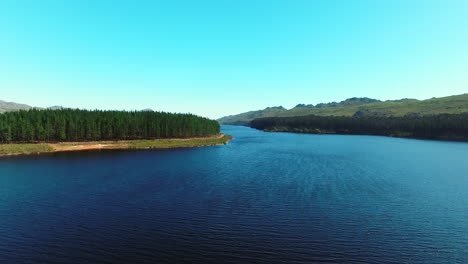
point(13, 149)
point(179, 143)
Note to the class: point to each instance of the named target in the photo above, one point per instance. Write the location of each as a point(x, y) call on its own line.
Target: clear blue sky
point(221, 57)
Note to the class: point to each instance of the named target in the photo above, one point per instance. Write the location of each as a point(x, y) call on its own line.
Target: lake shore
point(450, 138)
point(38, 148)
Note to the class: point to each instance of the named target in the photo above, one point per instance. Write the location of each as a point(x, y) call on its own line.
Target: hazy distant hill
point(56, 107)
point(10, 106)
point(360, 107)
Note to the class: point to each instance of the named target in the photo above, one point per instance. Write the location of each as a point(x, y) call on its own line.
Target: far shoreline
point(441, 139)
point(17, 149)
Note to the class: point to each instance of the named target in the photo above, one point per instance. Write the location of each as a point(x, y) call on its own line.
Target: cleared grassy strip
point(24, 149)
point(179, 143)
point(20, 149)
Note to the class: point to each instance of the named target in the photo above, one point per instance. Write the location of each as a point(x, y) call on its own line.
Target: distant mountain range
point(362, 107)
point(10, 106)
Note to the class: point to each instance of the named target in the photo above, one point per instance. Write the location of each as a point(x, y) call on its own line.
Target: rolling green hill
point(245, 118)
point(362, 107)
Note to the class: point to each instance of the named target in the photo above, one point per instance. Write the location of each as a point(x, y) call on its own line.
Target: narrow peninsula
point(43, 131)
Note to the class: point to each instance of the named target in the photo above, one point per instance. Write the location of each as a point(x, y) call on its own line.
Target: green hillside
point(364, 107)
point(244, 118)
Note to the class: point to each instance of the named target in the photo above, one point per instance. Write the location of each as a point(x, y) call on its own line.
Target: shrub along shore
point(38, 148)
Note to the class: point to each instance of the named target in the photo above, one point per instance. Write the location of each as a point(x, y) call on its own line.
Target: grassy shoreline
point(38, 148)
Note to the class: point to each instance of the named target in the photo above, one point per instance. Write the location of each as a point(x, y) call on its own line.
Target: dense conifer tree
point(83, 125)
point(442, 126)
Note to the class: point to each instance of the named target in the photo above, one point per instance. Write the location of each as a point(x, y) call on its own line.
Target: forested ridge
point(360, 107)
point(84, 125)
point(442, 126)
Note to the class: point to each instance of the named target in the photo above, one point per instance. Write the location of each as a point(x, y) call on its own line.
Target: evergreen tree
point(442, 126)
point(81, 125)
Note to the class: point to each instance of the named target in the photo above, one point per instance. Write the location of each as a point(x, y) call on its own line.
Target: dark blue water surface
point(264, 198)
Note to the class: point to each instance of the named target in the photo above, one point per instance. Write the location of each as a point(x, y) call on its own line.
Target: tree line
point(84, 125)
point(441, 126)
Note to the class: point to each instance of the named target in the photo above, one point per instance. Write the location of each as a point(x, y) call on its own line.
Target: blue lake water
point(264, 198)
